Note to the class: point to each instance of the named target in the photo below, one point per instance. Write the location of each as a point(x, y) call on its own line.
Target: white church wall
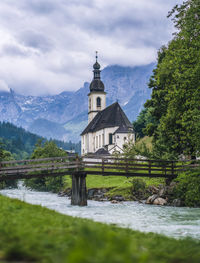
point(92, 142)
point(109, 131)
point(92, 107)
point(122, 138)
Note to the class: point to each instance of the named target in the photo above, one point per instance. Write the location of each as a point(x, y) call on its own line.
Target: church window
point(98, 102)
point(124, 138)
point(110, 138)
point(103, 140)
point(89, 104)
point(99, 140)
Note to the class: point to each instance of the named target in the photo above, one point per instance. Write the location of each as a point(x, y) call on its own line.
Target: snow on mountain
point(64, 116)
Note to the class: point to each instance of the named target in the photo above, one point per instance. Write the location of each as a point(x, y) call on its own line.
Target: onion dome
point(96, 84)
point(96, 65)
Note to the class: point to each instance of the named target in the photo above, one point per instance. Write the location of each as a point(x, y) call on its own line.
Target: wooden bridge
point(80, 167)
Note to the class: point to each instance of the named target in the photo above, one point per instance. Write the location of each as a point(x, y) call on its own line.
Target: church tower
point(97, 95)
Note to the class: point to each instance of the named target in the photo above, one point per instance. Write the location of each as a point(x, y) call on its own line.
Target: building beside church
point(108, 128)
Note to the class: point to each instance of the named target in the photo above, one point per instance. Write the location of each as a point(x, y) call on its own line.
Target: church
point(108, 128)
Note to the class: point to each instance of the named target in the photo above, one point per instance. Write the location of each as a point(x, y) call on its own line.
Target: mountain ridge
point(68, 110)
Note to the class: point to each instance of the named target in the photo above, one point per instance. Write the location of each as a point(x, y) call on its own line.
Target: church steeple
point(96, 68)
point(96, 84)
point(97, 96)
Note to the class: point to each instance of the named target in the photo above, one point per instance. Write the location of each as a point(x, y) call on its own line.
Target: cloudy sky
point(48, 46)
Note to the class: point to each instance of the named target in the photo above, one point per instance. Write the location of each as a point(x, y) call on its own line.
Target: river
point(178, 222)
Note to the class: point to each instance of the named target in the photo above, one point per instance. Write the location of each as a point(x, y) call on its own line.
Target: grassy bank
point(32, 233)
point(120, 185)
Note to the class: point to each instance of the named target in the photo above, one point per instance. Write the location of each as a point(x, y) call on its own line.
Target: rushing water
point(170, 221)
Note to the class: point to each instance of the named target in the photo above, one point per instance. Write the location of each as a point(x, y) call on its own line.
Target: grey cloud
point(52, 42)
point(13, 50)
point(36, 40)
point(43, 7)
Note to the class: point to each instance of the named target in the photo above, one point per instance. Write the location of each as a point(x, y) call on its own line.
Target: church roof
point(123, 129)
point(102, 151)
point(111, 116)
point(96, 85)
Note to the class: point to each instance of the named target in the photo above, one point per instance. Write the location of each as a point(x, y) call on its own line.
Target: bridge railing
point(37, 165)
point(106, 165)
point(141, 167)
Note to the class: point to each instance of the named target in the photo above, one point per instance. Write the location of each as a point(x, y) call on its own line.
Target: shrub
point(188, 188)
point(139, 188)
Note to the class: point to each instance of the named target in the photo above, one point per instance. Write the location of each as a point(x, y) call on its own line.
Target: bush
point(188, 188)
point(138, 188)
point(53, 184)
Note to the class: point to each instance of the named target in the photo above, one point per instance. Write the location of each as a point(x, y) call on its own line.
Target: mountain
point(64, 116)
point(21, 143)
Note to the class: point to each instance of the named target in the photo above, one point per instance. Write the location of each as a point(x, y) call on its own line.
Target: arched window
point(89, 104)
point(98, 102)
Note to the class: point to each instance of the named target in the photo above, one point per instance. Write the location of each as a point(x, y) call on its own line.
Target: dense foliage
point(145, 119)
point(188, 188)
point(6, 156)
point(174, 104)
point(35, 234)
point(54, 184)
point(21, 143)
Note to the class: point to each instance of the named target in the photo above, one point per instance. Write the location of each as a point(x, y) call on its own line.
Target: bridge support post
point(79, 191)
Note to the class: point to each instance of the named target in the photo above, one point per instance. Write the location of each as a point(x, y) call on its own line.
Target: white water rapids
point(178, 222)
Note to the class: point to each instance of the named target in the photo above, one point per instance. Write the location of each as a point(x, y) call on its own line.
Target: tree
point(145, 121)
point(46, 150)
point(6, 156)
point(175, 99)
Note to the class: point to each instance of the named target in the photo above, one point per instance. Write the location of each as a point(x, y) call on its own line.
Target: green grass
point(147, 141)
point(99, 181)
point(30, 233)
point(118, 185)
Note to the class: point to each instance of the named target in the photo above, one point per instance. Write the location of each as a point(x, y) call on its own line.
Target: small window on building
point(103, 140)
point(89, 104)
point(98, 102)
point(97, 141)
point(124, 138)
point(117, 136)
point(110, 138)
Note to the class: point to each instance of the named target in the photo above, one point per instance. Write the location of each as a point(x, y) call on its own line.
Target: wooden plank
point(79, 192)
point(106, 173)
point(37, 160)
point(29, 176)
point(36, 165)
point(127, 168)
point(188, 165)
point(17, 171)
point(129, 159)
point(124, 164)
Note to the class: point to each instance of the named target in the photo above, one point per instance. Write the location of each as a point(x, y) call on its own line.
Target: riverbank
point(138, 191)
point(33, 233)
point(182, 191)
point(117, 188)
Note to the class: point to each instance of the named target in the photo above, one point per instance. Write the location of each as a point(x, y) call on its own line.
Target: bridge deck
point(109, 166)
